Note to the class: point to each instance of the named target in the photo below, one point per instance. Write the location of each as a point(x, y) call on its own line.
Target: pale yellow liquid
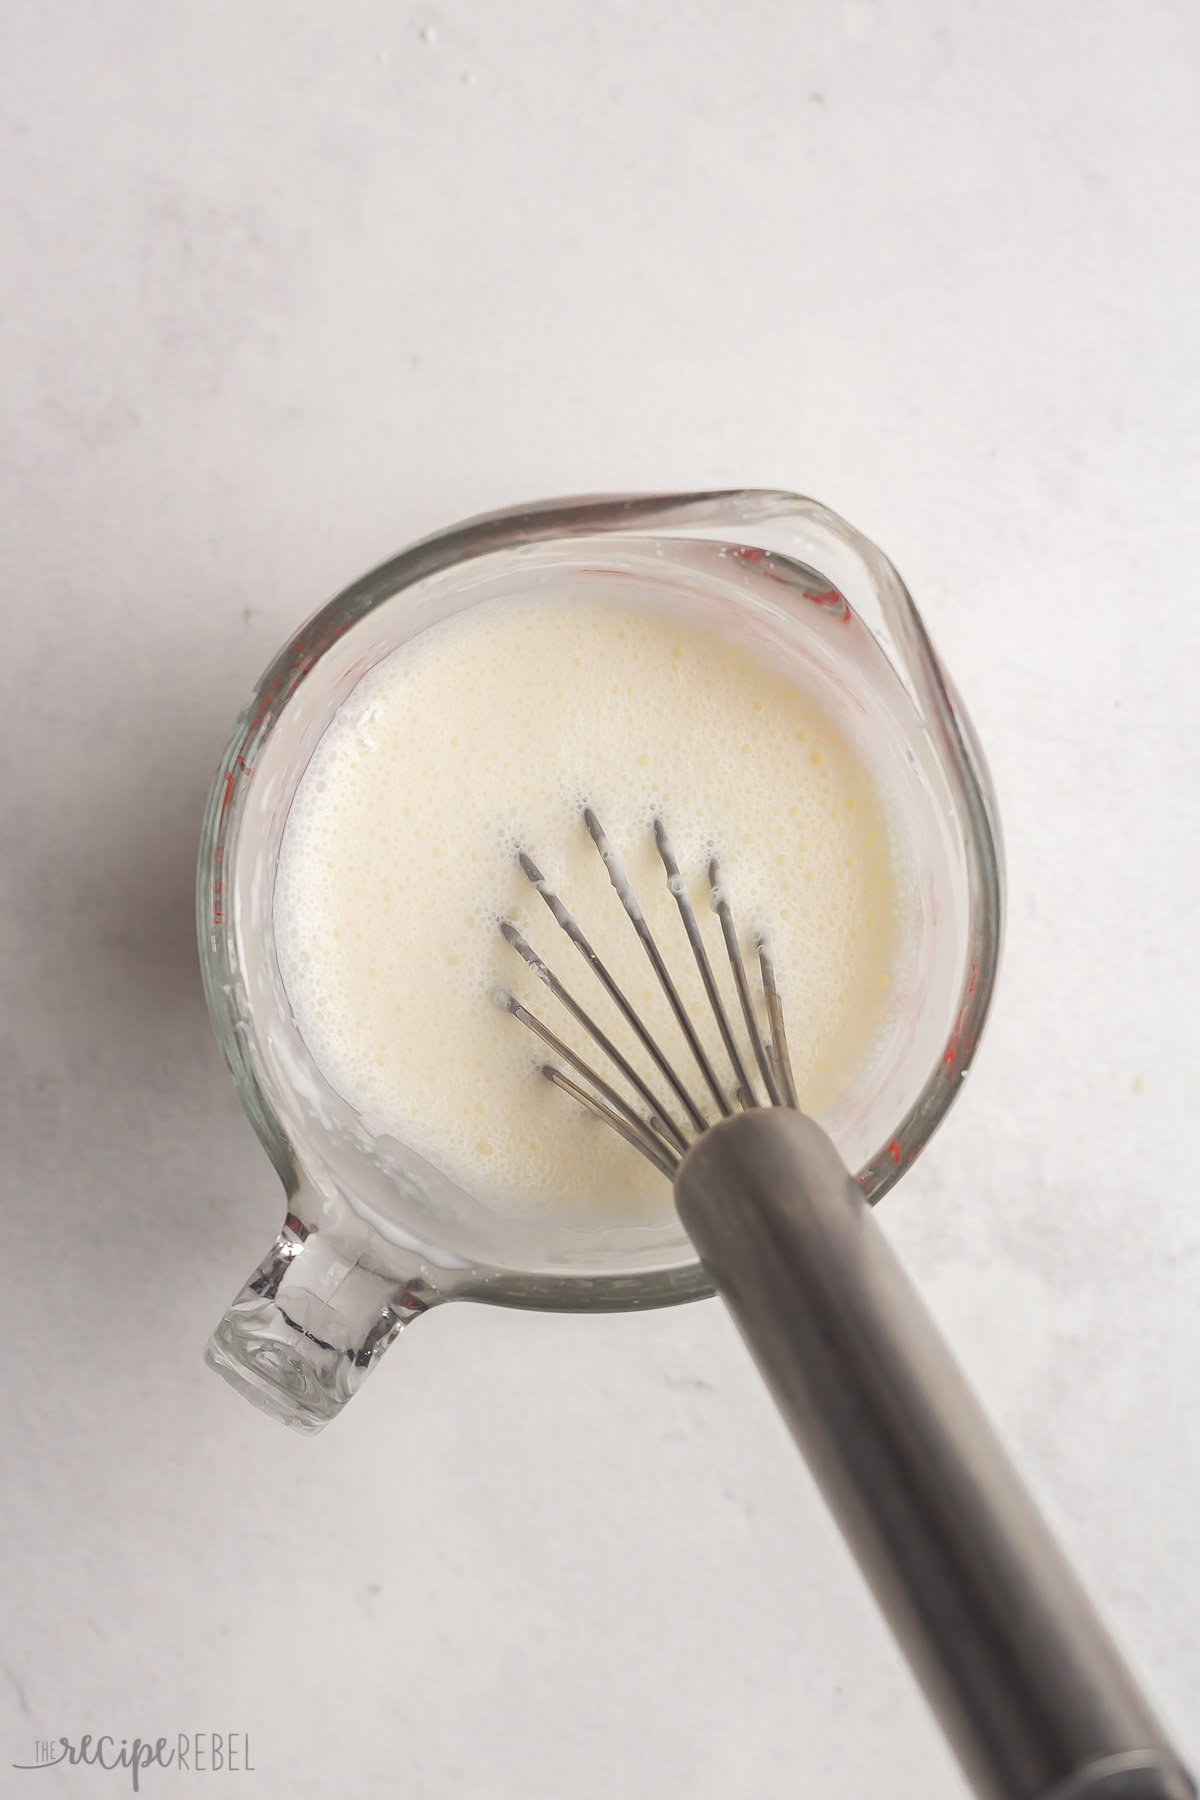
point(490, 733)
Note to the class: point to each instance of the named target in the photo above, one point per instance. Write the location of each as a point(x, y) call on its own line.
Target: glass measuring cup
point(373, 1234)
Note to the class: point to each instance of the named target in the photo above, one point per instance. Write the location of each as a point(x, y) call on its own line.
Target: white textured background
point(285, 285)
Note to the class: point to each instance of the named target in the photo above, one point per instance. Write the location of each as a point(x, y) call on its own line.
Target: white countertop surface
point(286, 285)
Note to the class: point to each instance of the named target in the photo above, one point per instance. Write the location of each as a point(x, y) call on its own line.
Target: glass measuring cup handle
point(313, 1320)
point(1023, 1677)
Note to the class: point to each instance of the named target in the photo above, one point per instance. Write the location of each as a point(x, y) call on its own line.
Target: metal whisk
point(659, 1135)
point(1026, 1683)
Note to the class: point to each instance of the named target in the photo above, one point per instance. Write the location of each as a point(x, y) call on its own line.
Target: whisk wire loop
point(654, 1131)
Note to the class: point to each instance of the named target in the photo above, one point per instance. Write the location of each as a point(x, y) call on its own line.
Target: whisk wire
point(565, 919)
point(779, 1043)
point(734, 951)
point(678, 887)
point(616, 874)
point(565, 998)
point(655, 1133)
point(645, 1131)
point(660, 1158)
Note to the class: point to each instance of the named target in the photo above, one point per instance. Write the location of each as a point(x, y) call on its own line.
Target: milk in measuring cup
point(489, 733)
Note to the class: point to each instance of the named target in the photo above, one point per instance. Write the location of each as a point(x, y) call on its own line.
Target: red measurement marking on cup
point(831, 600)
point(264, 703)
point(955, 1046)
point(218, 887)
point(894, 1151)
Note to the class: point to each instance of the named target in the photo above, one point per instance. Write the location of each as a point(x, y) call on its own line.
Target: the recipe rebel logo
point(195, 1752)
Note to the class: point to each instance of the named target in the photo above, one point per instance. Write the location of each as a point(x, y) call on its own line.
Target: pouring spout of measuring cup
point(313, 1320)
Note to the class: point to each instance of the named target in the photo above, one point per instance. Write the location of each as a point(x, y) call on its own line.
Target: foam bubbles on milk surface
point(488, 734)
